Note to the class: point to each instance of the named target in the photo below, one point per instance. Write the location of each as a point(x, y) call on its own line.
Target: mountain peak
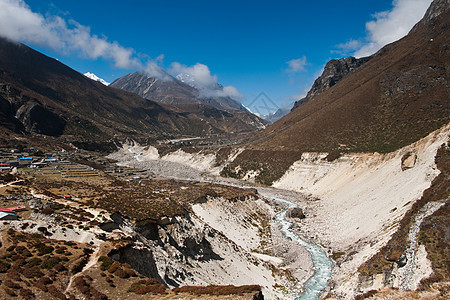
point(96, 78)
point(334, 71)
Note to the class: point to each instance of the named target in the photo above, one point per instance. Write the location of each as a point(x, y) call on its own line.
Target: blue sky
point(246, 44)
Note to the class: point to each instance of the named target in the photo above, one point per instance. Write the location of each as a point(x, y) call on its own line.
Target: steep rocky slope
point(334, 71)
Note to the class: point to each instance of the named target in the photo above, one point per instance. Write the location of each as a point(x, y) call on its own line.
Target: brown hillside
point(391, 101)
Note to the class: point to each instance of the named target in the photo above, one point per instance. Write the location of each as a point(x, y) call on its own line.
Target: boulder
point(296, 213)
point(408, 161)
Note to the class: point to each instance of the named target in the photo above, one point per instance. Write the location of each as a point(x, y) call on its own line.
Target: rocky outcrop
point(295, 212)
point(184, 250)
point(334, 71)
point(408, 161)
point(436, 9)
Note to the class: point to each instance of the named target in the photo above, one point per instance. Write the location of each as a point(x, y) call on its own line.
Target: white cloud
point(19, 23)
point(392, 25)
point(297, 65)
point(152, 69)
point(200, 77)
point(347, 47)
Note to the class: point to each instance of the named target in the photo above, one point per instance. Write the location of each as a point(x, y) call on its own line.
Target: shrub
point(45, 280)
point(26, 294)
point(153, 289)
point(218, 289)
point(106, 262)
point(114, 267)
point(144, 286)
point(16, 257)
point(4, 267)
point(27, 253)
point(50, 263)
point(32, 272)
point(60, 267)
point(43, 248)
point(60, 250)
point(34, 261)
point(47, 211)
point(11, 284)
point(131, 273)
point(122, 274)
point(56, 293)
point(19, 249)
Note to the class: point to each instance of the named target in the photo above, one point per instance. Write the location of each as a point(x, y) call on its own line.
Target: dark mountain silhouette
point(39, 95)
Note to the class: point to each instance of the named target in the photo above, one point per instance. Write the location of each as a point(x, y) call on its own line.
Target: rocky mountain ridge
point(334, 71)
point(171, 90)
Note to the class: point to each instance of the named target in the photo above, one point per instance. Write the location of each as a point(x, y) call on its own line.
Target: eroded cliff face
point(359, 202)
point(194, 250)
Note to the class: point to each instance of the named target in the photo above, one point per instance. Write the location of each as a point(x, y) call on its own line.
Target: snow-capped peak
point(186, 78)
point(96, 78)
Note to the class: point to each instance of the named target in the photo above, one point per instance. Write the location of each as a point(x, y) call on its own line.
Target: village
point(61, 164)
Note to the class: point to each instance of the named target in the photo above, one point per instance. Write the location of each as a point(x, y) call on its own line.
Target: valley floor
point(353, 205)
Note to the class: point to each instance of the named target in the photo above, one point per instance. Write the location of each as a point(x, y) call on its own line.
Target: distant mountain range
point(182, 97)
point(171, 90)
point(42, 98)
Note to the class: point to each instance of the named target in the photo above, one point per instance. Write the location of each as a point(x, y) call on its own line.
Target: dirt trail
point(10, 183)
point(91, 262)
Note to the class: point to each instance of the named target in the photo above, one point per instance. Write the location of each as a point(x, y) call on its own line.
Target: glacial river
point(323, 265)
